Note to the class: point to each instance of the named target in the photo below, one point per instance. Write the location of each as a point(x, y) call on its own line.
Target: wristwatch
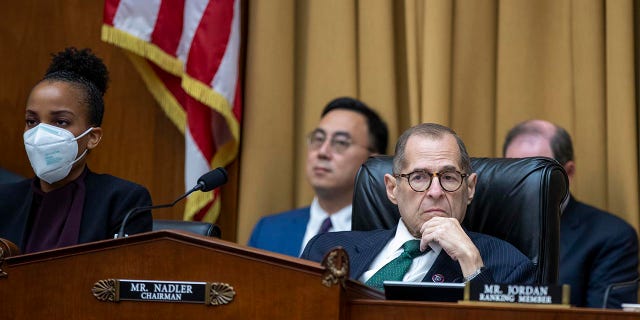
point(473, 275)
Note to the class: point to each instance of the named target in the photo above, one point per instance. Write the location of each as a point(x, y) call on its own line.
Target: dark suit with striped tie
point(503, 262)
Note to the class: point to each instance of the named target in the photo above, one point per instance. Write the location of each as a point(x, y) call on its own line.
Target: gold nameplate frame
point(209, 293)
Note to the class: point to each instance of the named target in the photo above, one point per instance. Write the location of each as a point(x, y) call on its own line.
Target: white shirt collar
point(340, 221)
point(420, 265)
point(402, 235)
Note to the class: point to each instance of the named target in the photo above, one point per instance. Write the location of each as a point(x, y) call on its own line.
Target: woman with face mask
point(66, 203)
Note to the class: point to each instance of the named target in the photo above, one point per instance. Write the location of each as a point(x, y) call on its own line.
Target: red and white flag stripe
point(188, 53)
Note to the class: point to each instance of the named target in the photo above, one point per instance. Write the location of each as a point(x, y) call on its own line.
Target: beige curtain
point(479, 66)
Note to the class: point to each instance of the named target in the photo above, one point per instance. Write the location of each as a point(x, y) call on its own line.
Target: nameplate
point(210, 293)
point(515, 293)
point(166, 291)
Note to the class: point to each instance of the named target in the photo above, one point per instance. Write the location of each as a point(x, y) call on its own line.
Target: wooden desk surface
point(360, 309)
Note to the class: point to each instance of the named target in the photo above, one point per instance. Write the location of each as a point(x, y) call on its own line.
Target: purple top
point(55, 215)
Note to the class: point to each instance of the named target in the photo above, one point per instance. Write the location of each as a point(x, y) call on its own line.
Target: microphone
point(206, 182)
point(210, 180)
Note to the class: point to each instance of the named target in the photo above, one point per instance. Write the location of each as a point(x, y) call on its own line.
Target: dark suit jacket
point(281, 233)
point(107, 200)
point(503, 262)
point(9, 177)
point(596, 249)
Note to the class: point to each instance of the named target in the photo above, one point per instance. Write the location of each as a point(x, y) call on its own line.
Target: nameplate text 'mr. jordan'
point(516, 293)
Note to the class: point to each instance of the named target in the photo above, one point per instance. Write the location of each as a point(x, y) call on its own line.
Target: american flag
point(187, 52)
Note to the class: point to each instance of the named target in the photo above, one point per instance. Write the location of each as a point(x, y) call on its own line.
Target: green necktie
point(396, 268)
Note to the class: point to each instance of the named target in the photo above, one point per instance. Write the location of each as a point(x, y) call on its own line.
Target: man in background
point(596, 247)
point(348, 133)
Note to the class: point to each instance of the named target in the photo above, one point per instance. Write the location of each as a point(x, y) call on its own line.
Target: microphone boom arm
point(133, 211)
point(206, 182)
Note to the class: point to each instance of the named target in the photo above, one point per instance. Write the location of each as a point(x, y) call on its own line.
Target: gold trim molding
point(7, 249)
point(2, 273)
point(218, 294)
point(106, 290)
point(336, 263)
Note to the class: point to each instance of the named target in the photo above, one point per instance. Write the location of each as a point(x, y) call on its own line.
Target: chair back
point(517, 200)
point(197, 227)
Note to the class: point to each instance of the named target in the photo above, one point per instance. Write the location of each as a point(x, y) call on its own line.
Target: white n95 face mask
point(52, 151)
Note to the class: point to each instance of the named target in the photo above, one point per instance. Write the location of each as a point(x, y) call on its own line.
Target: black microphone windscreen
point(213, 179)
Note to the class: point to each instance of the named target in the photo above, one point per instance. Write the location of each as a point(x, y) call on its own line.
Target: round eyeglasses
point(339, 143)
point(420, 180)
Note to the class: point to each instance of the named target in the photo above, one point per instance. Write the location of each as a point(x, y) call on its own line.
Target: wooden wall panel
point(140, 143)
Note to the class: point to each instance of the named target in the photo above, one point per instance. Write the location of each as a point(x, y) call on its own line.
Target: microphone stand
point(133, 211)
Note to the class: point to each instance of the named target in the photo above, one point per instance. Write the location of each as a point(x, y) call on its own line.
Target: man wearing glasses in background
point(432, 184)
point(348, 133)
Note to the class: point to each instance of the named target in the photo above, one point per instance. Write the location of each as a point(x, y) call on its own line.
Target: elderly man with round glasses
point(429, 244)
point(348, 133)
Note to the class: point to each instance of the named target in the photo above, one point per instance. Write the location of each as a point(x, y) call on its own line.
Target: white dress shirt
point(420, 265)
point(340, 221)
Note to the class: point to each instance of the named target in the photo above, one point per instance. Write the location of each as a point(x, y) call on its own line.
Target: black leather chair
point(517, 200)
point(197, 227)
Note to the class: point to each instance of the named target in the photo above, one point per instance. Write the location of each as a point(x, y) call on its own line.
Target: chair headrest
point(519, 200)
point(371, 207)
point(197, 227)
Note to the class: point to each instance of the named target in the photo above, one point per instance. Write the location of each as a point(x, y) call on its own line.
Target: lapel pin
point(437, 278)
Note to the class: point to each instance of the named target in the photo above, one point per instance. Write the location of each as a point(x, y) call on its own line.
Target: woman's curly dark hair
point(87, 72)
